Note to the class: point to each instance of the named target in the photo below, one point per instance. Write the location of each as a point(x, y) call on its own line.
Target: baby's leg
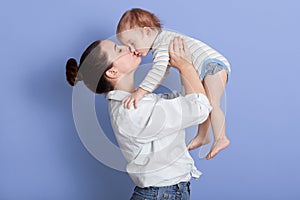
point(215, 86)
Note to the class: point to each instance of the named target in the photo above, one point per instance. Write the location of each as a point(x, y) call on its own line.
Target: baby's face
point(137, 40)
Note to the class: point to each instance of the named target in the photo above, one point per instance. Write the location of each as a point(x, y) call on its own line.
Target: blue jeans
point(180, 191)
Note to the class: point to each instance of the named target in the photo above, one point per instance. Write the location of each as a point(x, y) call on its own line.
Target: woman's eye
point(120, 50)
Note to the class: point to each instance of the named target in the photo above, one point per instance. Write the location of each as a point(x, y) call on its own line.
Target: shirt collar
point(158, 39)
point(117, 95)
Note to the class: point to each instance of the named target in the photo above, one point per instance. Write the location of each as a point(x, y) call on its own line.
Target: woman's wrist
point(186, 68)
point(190, 80)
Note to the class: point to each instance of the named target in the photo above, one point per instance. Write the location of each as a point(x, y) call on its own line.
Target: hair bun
point(72, 72)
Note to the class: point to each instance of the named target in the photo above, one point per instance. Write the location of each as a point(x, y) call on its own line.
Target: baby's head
point(138, 29)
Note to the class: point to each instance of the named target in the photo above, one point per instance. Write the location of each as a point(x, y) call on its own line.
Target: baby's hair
point(138, 18)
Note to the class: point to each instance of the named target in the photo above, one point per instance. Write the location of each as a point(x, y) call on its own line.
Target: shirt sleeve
point(172, 95)
point(152, 121)
point(158, 71)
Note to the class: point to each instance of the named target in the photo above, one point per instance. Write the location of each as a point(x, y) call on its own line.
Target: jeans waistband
point(179, 191)
point(180, 185)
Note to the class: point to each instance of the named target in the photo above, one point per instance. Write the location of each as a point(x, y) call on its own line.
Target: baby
point(141, 31)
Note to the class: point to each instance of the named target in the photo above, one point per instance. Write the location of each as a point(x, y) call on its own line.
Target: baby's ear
point(147, 31)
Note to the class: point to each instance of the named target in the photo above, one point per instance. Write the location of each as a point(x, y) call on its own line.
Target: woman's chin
point(139, 60)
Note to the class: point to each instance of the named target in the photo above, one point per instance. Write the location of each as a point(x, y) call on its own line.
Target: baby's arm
point(154, 77)
point(158, 71)
point(134, 98)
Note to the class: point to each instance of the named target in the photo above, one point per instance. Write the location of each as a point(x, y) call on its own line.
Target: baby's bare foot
point(198, 141)
point(218, 145)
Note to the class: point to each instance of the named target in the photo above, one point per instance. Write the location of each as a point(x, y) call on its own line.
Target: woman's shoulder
point(116, 95)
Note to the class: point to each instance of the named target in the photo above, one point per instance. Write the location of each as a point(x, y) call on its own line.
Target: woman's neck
point(125, 83)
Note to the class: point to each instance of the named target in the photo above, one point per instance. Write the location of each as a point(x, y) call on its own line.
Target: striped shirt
point(201, 54)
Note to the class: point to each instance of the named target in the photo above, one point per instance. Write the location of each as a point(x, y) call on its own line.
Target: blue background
point(41, 155)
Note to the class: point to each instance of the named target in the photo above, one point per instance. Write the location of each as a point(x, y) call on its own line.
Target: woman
point(151, 137)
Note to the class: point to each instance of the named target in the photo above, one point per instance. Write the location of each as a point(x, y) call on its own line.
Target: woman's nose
point(131, 49)
point(126, 49)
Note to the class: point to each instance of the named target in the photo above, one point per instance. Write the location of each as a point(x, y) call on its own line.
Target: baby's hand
point(134, 98)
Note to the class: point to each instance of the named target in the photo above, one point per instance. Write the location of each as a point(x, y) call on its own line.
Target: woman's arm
point(157, 117)
point(180, 58)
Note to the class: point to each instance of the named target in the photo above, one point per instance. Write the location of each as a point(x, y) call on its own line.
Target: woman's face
point(123, 60)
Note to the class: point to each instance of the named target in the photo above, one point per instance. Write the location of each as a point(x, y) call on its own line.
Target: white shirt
point(152, 137)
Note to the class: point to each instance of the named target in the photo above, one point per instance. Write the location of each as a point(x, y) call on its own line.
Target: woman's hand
point(180, 58)
point(180, 55)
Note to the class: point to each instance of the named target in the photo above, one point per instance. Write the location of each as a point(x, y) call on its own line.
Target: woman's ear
point(112, 73)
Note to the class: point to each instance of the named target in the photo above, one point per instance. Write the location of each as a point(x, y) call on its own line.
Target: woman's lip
point(137, 53)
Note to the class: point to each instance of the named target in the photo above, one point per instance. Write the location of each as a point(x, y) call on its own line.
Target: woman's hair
point(92, 68)
point(137, 17)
